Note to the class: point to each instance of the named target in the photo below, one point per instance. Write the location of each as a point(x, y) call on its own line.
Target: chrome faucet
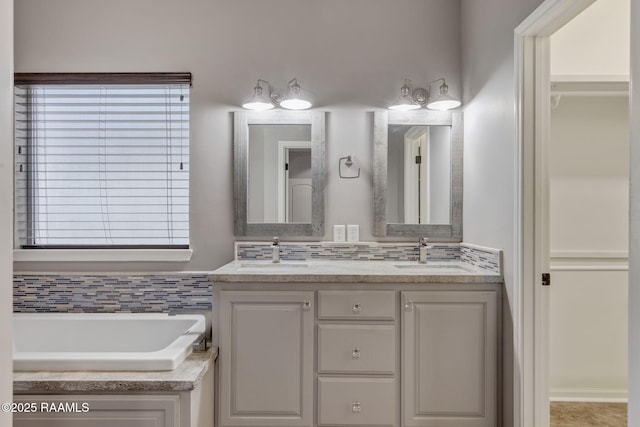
point(422, 247)
point(275, 250)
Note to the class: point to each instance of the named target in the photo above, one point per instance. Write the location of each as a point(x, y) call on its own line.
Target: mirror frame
point(241, 122)
point(381, 121)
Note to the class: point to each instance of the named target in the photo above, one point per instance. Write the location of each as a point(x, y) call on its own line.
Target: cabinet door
point(449, 370)
point(99, 411)
point(266, 358)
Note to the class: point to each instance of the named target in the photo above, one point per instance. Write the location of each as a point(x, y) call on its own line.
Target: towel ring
point(348, 162)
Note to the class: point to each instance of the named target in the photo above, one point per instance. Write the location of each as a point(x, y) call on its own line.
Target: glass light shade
point(293, 101)
point(405, 101)
point(295, 104)
point(404, 105)
point(443, 101)
point(257, 106)
point(258, 101)
point(444, 104)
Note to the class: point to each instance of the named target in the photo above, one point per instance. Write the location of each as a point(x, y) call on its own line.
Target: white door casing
point(531, 251)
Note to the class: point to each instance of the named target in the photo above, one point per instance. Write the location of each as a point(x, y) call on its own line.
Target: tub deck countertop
point(185, 377)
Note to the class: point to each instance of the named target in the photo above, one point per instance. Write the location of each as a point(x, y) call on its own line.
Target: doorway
point(294, 181)
point(533, 220)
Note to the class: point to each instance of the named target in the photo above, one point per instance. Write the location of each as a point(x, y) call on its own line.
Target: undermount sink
point(274, 265)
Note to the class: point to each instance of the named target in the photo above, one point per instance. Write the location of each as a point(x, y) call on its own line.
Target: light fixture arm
point(295, 83)
point(437, 80)
point(276, 97)
point(421, 95)
point(444, 88)
point(418, 94)
point(295, 87)
point(266, 83)
point(273, 96)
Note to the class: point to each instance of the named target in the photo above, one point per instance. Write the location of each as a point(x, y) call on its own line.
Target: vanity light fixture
point(291, 101)
point(414, 98)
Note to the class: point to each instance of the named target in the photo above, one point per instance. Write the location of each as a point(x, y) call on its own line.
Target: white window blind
point(102, 165)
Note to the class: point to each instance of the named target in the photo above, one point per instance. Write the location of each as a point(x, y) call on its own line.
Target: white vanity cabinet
point(449, 358)
point(357, 354)
point(266, 353)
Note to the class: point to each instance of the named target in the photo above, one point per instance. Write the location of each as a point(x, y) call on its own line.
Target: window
point(102, 160)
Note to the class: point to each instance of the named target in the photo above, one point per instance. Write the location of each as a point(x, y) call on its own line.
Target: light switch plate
point(353, 233)
point(338, 233)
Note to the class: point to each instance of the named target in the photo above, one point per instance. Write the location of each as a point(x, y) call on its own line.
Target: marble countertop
point(353, 272)
point(184, 378)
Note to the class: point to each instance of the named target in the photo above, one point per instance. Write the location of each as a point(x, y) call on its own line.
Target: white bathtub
point(103, 342)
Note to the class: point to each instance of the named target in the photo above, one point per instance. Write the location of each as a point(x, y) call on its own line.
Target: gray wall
point(351, 55)
point(6, 201)
point(489, 144)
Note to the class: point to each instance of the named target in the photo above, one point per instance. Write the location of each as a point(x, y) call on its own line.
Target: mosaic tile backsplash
point(176, 292)
point(110, 293)
point(483, 258)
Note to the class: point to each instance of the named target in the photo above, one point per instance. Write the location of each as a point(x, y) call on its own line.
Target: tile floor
point(588, 414)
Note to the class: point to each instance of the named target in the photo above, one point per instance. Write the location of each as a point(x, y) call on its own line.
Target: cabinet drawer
point(373, 305)
point(357, 349)
point(356, 401)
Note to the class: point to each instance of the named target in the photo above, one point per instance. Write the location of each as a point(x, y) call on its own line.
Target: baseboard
point(588, 395)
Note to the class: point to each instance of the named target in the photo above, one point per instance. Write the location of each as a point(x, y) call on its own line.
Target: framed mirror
point(417, 181)
point(278, 165)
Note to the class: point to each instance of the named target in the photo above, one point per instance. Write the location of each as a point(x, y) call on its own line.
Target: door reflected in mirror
point(280, 173)
point(419, 174)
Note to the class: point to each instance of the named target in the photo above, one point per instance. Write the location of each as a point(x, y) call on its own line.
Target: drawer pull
point(355, 354)
point(357, 308)
point(355, 407)
point(408, 306)
point(306, 306)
